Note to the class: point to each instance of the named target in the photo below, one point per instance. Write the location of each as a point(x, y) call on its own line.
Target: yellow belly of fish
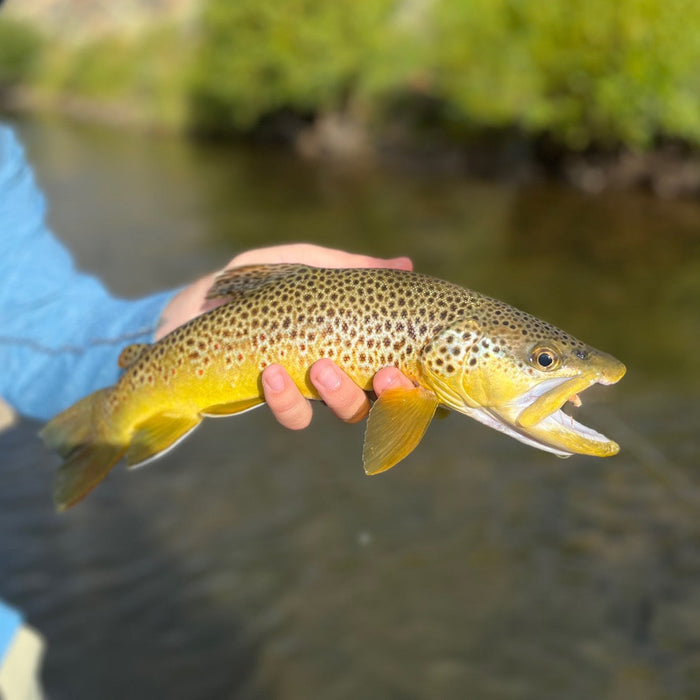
point(185, 396)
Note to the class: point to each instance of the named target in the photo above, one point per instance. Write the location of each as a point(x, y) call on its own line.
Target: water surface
point(254, 562)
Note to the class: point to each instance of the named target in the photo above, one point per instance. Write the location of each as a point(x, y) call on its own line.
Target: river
point(255, 562)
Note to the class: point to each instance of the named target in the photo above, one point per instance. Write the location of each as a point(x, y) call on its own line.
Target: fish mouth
point(540, 418)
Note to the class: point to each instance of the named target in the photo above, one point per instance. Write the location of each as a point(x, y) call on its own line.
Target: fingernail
point(329, 377)
point(273, 379)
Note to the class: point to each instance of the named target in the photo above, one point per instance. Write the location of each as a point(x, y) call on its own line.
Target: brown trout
point(463, 350)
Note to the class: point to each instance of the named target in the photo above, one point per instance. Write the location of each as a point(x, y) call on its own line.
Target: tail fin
point(89, 457)
point(82, 471)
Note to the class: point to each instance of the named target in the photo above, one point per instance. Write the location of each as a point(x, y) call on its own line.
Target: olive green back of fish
point(293, 315)
point(363, 319)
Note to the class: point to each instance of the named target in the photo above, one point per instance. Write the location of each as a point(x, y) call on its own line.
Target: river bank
point(669, 170)
point(601, 98)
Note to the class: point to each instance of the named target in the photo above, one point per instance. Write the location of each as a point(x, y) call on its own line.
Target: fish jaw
point(538, 413)
point(563, 432)
point(547, 397)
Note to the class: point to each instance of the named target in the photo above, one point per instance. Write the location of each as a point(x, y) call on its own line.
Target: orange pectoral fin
point(396, 424)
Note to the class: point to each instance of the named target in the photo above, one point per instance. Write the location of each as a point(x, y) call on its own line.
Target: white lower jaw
point(553, 423)
point(567, 422)
point(494, 421)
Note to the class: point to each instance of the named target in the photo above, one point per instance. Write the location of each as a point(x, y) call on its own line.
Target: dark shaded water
point(259, 563)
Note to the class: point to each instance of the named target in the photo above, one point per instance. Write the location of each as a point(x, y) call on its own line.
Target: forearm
point(61, 331)
point(56, 353)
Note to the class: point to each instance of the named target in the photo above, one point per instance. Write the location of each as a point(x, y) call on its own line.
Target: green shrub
point(600, 72)
point(594, 72)
point(20, 48)
point(146, 75)
point(259, 57)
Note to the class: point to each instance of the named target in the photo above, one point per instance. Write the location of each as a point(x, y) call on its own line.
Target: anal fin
point(396, 424)
point(156, 435)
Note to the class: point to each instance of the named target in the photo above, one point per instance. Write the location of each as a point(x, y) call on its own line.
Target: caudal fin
point(82, 471)
point(88, 455)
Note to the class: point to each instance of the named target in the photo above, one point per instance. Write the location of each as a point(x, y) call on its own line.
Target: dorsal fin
point(248, 277)
point(131, 353)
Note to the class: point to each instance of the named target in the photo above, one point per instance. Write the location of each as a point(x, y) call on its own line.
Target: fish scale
point(463, 350)
point(362, 319)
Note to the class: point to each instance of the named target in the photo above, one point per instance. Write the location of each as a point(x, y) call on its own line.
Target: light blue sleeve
point(61, 331)
point(10, 622)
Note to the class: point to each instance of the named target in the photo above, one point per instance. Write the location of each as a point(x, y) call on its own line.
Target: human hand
point(350, 403)
point(347, 400)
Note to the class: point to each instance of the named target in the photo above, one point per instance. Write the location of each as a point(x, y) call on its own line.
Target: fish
point(463, 351)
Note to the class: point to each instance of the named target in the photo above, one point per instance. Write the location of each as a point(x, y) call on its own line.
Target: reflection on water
point(259, 563)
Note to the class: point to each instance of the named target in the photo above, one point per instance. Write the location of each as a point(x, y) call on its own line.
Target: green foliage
point(593, 72)
point(259, 57)
point(600, 72)
point(101, 68)
point(20, 48)
point(145, 75)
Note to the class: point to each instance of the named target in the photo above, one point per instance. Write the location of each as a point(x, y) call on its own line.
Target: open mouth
point(542, 419)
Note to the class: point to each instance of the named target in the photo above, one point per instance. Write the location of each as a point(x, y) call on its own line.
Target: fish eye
point(545, 358)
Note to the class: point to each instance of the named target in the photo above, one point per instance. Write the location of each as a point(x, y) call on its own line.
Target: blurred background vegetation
point(589, 75)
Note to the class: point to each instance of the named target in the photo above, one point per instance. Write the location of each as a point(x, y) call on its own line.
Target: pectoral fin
point(396, 424)
point(158, 434)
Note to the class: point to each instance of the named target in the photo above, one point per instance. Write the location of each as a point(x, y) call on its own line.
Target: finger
point(390, 378)
point(317, 256)
point(287, 404)
point(342, 395)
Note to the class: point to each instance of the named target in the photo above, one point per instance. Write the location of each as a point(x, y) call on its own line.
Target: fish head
point(513, 372)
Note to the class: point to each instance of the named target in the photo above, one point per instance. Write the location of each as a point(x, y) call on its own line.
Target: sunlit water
point(254, 562)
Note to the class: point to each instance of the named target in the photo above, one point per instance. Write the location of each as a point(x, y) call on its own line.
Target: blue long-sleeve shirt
point(61, 331)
